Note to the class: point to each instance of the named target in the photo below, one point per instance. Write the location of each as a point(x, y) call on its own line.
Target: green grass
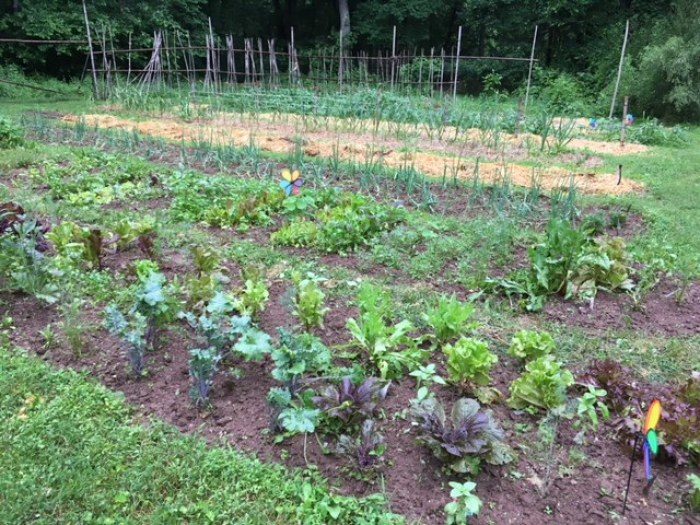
point(72, 453)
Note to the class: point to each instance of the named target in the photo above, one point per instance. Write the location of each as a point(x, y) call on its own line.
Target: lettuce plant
point(204, 365)
point(350, 403)
point(529, 344)
point(254, 297)
point(309, 302)
point(543, 386)
point(470, 360)
point(462, 439)
point(390, 348)
point(449, 319)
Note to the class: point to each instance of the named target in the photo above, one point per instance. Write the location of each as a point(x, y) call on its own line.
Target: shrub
point(10, 135)
point(528, 345)
point(470, 360)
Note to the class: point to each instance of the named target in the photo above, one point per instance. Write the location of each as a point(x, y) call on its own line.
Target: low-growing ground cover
point(180, 275)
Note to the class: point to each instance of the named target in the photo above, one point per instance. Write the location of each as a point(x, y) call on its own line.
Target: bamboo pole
point(529, 73)
point(459, 49)
point(619, 69)
point(95, 88)
point(393, 56)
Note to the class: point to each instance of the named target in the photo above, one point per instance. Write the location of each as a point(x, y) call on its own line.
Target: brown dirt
point(659, 314)
point(359, 148)
point(414, 482)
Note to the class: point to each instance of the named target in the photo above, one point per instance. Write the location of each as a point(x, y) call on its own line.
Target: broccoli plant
point(204, 365)
point(298, 355)
point(464, 438)
point(528, 345)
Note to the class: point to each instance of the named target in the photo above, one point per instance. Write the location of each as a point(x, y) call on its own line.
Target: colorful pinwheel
point(292, 182)
point(651, 438)
point(650, 446)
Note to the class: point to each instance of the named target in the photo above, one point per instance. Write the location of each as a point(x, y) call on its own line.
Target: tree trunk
point(344, 21)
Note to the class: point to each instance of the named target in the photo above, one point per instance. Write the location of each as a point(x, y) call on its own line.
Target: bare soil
point(542, 486)
point(437, 161)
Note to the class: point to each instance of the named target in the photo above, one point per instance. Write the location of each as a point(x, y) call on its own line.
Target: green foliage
point(449, 319)
point(204, 364)
point(24, 266)
point(297, 233)
point(589, 404)
point(694, 492)
point(571, 263)
point(133, 331)
point(309, 302)
point(152, 473)
point(543, 386)
point(464, 504)
point(10, 135)
point(298, 355)
point(464, 438)
point(78, 243)
point(470, 360)
point(528, 344)
point(666, 81)
point(254, 297)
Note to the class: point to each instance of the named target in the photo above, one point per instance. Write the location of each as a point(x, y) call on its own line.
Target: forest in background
point(578, 46)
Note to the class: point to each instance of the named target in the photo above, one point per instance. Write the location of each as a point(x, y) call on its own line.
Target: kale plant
point(297, 356)
point(133, 332)
point(204, 365)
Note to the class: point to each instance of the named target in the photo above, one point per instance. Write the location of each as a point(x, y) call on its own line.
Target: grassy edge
point(73, 453)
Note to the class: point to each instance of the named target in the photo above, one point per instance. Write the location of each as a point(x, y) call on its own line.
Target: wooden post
point(623, 129)
point(393, 56)
point(430, 75)
point(459, 49)
point(340, 62)
point(529, 73)
point(95, 88)
point(619, 69)
point(128, 57)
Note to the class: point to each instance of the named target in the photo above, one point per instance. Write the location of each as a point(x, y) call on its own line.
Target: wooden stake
point(128, 57)
point(619, 69)
point(459, 49)
point(95, 88)
point(529, 73)
point(393, 56)
point(623, 128)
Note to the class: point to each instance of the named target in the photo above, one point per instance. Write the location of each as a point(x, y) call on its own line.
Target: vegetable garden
point(459, 316)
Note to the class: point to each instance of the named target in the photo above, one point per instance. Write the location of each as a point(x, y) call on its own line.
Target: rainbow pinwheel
point(650, 447)
point(651, 438)
point(292, 182)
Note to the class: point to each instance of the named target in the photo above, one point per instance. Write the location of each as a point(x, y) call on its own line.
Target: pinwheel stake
point(650, 447)
point(292, 182)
